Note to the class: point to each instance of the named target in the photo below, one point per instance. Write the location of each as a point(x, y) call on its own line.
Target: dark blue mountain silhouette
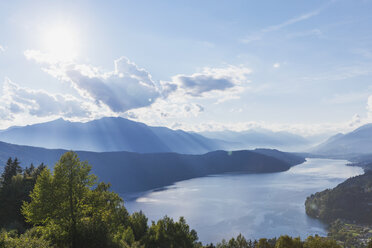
point(134, 172)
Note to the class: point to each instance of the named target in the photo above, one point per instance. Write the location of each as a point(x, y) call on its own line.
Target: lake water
point(256, 205)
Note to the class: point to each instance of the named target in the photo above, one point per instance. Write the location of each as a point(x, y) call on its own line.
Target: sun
point(61, 43)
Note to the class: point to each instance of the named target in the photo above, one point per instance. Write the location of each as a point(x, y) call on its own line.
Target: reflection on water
point(256, 205)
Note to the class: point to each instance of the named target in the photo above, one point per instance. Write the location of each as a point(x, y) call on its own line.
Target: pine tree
point(11, 169)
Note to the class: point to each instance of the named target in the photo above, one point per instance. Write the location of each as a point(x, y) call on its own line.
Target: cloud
point(126, 87)
point(276, 65)
point(356, 121)
point(39, 103)
point(369, 105)
point(2, 49)
point(131, 92)
point(260, 34)
point(292, 21)
point(305, 129)
point(212, 80)
point(313, 32)
point(130, 87)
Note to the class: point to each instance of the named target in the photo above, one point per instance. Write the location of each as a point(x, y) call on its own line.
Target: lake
point(256, 205)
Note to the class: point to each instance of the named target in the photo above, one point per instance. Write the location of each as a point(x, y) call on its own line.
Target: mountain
point(287, 157)
point(109, 134)
point(358, 141)
point(260, 138)
point(134, 172)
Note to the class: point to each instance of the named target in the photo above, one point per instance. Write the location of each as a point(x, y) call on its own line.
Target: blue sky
point(301, 66)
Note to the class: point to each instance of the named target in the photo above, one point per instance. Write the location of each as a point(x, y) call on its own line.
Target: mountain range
point(109, 134)
point(358, 141)
point(120, 134)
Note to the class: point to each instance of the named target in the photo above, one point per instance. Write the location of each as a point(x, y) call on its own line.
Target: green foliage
point(83, 213)
point(30, 239)
point(282, 242)
point(288, 242)
point(14, 190)
point(138, 223)
point(350, 235)
point(11, 169)
point(169, 234)
point(264, 243)
point(319, 242)
point(238, 242)
point(78, 215)
point(369, 245)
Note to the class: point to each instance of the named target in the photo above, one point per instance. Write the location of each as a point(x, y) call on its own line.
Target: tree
point(169, 234)
point(30, 239)
point(288, 242)
point(11, 169)
point(72, 209)
point(263, 243)
point(14, 190)
point(319, 242)
point(138, 223)
point(369, 245)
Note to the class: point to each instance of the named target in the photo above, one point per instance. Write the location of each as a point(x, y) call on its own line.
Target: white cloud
point(369, 106)
point(262, 32)
point(304, 129)
point(163, 110)
point(129, 87)
point(17, 100)
point(276, 65)
point(126, 87)
point(297, 19)
point(2, 49)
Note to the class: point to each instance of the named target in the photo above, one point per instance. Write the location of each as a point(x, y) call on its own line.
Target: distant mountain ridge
point(109, 134)
point(358, 141)
point(260, 138)
point(134, 172)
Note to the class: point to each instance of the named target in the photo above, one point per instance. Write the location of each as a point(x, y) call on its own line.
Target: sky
point(293, 65)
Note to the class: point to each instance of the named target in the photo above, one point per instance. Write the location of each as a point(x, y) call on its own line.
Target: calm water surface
point(256, 205)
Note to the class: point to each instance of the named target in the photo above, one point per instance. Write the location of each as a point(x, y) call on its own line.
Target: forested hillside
point(350, 200)
point(132, 172)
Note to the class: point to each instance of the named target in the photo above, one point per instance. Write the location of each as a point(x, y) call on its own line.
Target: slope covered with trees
point(133, 172)
point(350, 200)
